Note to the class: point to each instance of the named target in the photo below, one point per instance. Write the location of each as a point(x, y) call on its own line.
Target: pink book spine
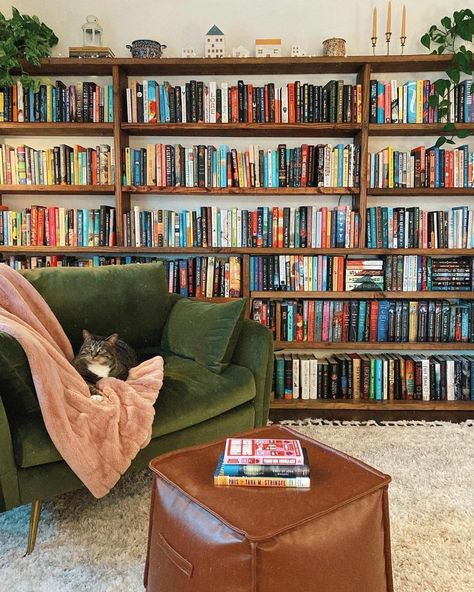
point(388, 103)
point(424, 229)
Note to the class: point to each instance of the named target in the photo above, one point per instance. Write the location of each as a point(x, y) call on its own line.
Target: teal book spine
point(290, 321)
point(361, 320)
point(280, 378)
point(372, 379)
point(411, 101)
point(110, 106)
point(378, 379)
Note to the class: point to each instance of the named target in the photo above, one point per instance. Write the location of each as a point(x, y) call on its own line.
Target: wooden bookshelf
point(362, 68)
point(366, 295)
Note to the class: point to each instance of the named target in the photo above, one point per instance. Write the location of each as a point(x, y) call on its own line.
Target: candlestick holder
point(388, 36)
point(403, 39)
point(374, 43)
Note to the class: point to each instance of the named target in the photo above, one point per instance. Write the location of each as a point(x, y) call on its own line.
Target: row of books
point(413, 228)
point(376, 377)
point(209, 226)
point(421, 167)
point(370, 321)
point(392, 102)
point(205, 276)
point(148, 101)
point(60, 165)
point(409, 273)
point(19, 262)
point(86, 102)
point(59, 227)
point(167, 165)
point(263, 462)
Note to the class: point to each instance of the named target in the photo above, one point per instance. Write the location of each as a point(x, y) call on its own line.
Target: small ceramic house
point(268, 48)
point(188, 52)
point(297, 51)
point(215, 43)
point(240, 52)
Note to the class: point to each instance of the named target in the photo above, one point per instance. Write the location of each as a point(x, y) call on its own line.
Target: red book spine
point(304, 165)
point(235, 104)
point(373, 320)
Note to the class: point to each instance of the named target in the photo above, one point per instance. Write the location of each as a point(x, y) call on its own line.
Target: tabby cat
point(100, 357)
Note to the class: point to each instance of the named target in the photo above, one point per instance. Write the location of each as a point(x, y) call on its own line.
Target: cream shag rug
point(99, 546)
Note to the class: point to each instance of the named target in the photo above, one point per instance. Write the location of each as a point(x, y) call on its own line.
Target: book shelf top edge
point(281, 65)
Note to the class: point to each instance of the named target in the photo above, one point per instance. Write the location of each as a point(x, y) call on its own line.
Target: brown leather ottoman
point(333, 537)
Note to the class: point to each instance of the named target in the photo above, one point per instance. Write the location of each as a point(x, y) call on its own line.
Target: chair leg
point(34, 521)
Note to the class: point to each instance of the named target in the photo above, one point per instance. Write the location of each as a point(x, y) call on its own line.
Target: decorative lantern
point(92, 32)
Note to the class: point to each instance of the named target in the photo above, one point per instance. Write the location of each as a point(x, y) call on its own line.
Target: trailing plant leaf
point(23, 38)
point(458, 27)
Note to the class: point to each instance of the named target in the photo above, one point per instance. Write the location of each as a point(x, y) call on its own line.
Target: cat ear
point(86, 335)
point(112, 339)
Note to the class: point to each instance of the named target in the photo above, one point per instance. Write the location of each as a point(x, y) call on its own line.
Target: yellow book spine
point(335, 165)
point(390, 167)
point(49, 103)
point(2, 107)
point(240, 165)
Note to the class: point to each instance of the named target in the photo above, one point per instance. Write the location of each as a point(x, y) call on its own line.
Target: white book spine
point(313, 378)
point(129, 105)
point(425, 379)
point(296, 377)
point(450, 380)
point(183, 103)
point(212, 102)
point(304, 378)
point(284, 104)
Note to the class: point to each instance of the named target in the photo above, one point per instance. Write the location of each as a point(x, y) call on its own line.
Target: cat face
point(98, 350)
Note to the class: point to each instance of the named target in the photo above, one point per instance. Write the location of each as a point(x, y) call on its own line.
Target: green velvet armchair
point(195, 405)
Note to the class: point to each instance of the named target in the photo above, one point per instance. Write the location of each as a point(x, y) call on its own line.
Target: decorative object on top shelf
point(449, 38)
point(188, 52)
point(92, 32)
point(146, 48)
point(23, 37)
point(403, 33)
point(215, 43)
point(334, 47)
point(374, 30)
point(388, 32)
point(240, 52)
point(297, 51)
point(91, 52)
point(268, 48)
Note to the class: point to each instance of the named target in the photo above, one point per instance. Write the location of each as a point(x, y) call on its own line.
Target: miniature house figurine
point(240, 52)
point(268, 48)
point(215, 43)
point(92, 32)
point(297, 51)
point(188, 52)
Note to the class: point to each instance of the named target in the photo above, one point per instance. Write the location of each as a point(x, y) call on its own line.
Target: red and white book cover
point(246, 451)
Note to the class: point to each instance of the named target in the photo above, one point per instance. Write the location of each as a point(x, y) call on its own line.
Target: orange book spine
point(250, 103)
point(291, 103)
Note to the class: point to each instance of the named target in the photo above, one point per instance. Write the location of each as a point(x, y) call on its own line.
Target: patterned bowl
point(146, 48)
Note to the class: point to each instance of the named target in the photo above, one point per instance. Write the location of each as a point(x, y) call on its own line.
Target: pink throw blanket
point(97, 439)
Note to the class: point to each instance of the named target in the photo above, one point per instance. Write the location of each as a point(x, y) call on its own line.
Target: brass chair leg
point(34, 521)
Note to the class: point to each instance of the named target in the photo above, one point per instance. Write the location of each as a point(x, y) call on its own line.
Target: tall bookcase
point(362, 68)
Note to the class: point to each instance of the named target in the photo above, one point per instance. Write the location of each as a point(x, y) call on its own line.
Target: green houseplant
point(448, 37)
point(22, 38)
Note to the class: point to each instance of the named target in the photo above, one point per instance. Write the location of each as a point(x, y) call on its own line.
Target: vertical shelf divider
point(362, 140)
point(121, 140)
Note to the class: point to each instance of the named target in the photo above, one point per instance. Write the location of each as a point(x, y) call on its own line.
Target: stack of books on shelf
point(422, 167)
point(263, 462)
point(61, 165)
point(380, 377)
point(168, 165)
point(205, 276)
point(210, 226)
point(82, 102)
point(196, 101)
point(392, 102)
point(392, 228)
point(364, 274)
point(58, 227)
point(367, 321)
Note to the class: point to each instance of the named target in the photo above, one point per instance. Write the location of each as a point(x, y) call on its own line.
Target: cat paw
point(97, 397)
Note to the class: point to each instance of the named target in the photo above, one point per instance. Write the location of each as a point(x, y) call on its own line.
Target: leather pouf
point(333, 537)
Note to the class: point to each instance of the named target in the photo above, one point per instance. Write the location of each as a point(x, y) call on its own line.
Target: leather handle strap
point(180, 562)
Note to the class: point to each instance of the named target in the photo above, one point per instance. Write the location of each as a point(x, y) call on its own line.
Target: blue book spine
point(95, 261)
point(472, 379)
point(437, 167)
point(380, 103)
point(85, 227)
point(223, 153)
point(183, 272)
point(411, 101)
point(252, 274)
point(419, 272)
point(468, 101)
point(382, 321)
point(162, 114)
point(275, 168)
point(32, 105)
point(55, 104)
point(324, 273)
point(385, 228)
point(361, 320)
point(182, 228)
point(378, 379)
point(128, 259)
point(373, 229)
point(315, 275)
point(111, 104)
point(341, 228)
point(340, 165)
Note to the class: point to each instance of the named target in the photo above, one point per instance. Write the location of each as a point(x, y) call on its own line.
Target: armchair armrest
point(9, 490)
point(254, 351)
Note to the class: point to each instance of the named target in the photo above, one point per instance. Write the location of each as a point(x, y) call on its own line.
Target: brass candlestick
point(388, 36)
point(374, 43)
point(403, 39)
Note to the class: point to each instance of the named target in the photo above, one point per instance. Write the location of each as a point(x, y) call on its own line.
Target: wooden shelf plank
point(367, 295)
point(300, 130)
point(58, 189)
point(153, 189)
point(372, 346)
point(414, 129)
point(372, 405)
point(56, 129)
point(417, 191)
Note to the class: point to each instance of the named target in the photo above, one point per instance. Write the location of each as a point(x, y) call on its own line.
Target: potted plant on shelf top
point(450, 37)
point(22, 38)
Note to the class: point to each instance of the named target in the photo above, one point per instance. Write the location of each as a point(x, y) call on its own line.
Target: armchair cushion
point(17, 389)
point(190, 395)
point(205, 332)
point(131, 300)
